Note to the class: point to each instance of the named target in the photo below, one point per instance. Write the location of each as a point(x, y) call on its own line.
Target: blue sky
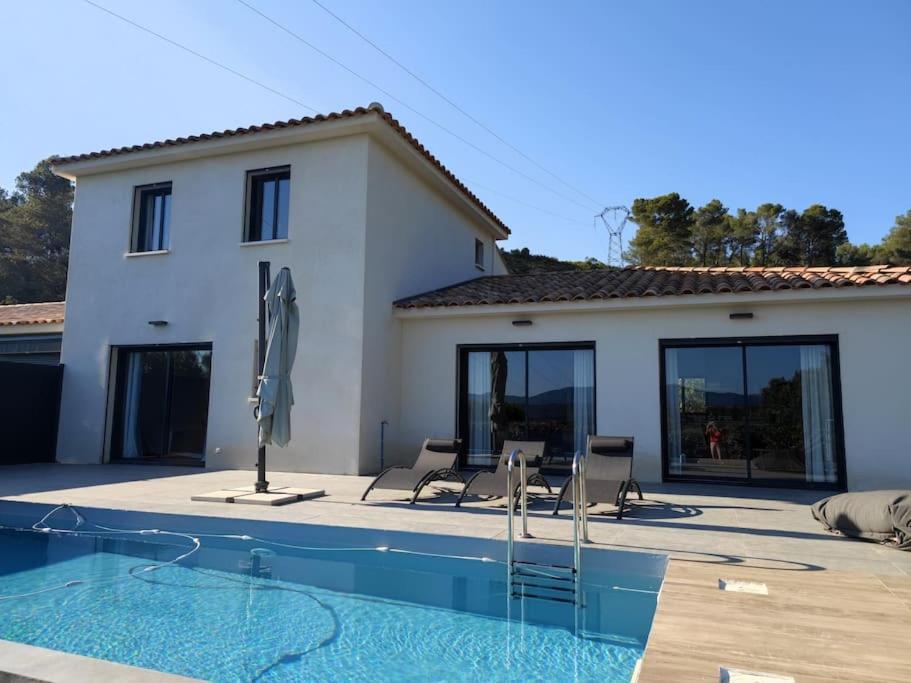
point(793, 102)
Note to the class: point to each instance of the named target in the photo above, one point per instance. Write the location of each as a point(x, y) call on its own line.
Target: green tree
point(35, 237)
point(849, 254)
point(709, 231)
point(813, 237)
point(588, 263)
point(742, 237)
point(896, 246)
point(665, 231)
point(771, 223)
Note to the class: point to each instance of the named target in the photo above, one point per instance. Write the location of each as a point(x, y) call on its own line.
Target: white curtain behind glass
point(583, 397)
point(132, 438)
point(672, 401)
point(479, 404)
point(818, 417)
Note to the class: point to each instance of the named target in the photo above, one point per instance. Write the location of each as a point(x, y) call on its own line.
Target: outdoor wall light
point(521, 323)
point(158, 323)
point(741, 316)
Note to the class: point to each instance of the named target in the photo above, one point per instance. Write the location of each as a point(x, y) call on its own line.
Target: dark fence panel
point(29, 408)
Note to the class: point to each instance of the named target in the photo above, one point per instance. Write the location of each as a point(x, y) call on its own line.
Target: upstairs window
point(479, 254)
point(152, 218)
point(268, 192)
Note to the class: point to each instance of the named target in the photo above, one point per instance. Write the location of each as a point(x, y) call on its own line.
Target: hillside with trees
point(523, 262)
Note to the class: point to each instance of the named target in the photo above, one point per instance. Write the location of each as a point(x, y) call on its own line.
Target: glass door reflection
point(706, 415)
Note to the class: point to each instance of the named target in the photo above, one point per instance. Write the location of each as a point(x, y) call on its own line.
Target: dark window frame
point(831, 340)
point(252, 232)
point(461, 397)
point(479, 254)
point(140, 192)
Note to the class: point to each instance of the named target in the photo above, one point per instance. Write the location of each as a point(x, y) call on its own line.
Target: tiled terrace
point(836, 609)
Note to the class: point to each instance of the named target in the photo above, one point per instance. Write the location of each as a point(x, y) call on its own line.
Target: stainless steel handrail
point(510, 467)
point(510, 498)
point(580, 519)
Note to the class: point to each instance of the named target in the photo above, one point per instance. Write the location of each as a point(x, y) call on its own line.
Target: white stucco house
point(412, 327)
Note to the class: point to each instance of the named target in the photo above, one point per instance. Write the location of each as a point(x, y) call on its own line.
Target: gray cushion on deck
point(883, 516)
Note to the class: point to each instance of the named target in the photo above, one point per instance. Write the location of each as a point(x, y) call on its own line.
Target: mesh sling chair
point(608, 473)
point(486, 483)
point(436, 461)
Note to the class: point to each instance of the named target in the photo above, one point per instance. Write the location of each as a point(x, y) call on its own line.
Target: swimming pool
point(231, 600)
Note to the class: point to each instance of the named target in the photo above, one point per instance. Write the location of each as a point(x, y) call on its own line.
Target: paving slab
point(221, 496)
point(276, 498)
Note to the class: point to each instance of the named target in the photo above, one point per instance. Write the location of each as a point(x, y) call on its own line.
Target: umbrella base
point(225, 496)
point(266, 498)
point(279, 495)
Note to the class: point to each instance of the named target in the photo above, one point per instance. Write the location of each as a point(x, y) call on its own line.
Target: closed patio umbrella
point(274, 390)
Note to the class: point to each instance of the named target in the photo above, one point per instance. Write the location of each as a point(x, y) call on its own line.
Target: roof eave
point(373, 121)
point(229, 144)
point(387, 136)
point(31, 328)
point(732, 300)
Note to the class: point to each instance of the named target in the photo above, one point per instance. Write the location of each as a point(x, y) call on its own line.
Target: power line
point(270, 89)
point(202, 56)
point(450, 102)
point(388, 94)
point(475, 183)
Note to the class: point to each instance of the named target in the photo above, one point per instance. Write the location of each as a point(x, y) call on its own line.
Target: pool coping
point(21, 663)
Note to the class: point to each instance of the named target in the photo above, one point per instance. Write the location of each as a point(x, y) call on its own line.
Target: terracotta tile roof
point(294, 123)
point(32, 314)
point(649, 281)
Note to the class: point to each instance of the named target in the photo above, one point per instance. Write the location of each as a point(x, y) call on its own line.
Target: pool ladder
point(540, 581)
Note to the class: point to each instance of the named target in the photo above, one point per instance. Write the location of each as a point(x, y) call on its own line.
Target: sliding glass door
point(544, 393)
point(161, 404)
point(759, 410)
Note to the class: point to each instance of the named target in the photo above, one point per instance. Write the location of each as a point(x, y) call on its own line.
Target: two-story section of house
point(159, 344)
point(411, 327)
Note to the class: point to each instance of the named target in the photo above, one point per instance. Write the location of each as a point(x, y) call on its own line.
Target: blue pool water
point(242, 610)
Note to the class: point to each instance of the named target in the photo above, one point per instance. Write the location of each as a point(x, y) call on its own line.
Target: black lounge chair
point(436, 461)
point(493, 484)
point(608, 473)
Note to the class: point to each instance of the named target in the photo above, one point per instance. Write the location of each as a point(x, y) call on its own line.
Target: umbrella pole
point(262, 485)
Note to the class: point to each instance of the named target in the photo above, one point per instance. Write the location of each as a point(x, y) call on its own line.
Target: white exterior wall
point(416, 241)
point(875, 362)
point(206, 288)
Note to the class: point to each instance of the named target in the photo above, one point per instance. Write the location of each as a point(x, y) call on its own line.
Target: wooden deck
point(813, 626)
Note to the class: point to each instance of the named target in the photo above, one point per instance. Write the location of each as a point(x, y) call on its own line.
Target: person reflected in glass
point(713, 434)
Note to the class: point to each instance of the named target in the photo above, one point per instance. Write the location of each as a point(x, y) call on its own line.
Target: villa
point(726, 399)
point(411, 326)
